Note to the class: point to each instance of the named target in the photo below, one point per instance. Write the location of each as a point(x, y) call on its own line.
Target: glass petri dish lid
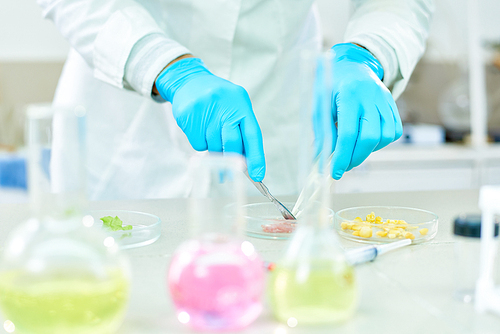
point(264, 221)
point(388, 224)
point(146, 228)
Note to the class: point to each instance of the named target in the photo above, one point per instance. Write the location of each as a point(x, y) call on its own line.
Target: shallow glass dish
point(262, 214)
point(146, 228)
point(422, 224)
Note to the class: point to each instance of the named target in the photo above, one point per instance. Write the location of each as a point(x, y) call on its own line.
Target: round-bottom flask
point(216, 279)
point(308, 287)
point(59, 275)
point(313, 284)
point(59, 278)
point(216, 284)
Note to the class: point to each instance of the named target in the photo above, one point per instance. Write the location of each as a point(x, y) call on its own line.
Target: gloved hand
point(214, 113)
point(363, 108)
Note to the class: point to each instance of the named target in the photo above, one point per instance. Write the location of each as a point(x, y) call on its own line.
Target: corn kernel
point(365, 232)
point(396, 232)
point(409, 235)
point(378, 219)
point(381, 233)
point(424, 231)
point(358, 219)
point(343, 225)
point(402, 222)
point(356, 227)
point(391, 235)
point(355, 233)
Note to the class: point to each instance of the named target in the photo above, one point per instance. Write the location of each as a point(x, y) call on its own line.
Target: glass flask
point(58, 275)
point(216, 279)
point(313, 283)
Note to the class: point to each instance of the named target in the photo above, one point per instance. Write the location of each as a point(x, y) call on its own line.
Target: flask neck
point(56, 162)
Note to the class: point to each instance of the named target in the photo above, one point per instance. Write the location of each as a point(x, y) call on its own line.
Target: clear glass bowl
point(146, 228)
point(422, 224)
point(259, 215)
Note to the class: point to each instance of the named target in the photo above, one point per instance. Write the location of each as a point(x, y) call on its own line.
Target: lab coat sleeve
point(395, 32)
point(114, 36)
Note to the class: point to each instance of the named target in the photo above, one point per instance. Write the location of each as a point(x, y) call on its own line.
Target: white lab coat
point(136, 149)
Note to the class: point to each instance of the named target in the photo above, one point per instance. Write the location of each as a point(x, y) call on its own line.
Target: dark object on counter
point(469, 225)
point(456, 136)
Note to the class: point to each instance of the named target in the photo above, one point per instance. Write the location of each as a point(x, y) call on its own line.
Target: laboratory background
point(435, 152)
point(437, 189)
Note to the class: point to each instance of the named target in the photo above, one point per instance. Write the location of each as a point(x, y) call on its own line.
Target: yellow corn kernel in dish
point(409, 235)
point(394, 231)
point(378, 219)
point(356, 227)
point(355, 233)
point(381, 233)
point(344, 225)
point(365, 232)
point(358, 219)
point(424, 231)
point(391, 235)
point(402, 222)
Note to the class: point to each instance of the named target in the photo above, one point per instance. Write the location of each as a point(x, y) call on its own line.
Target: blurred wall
point(26, 37)
point(32, 53)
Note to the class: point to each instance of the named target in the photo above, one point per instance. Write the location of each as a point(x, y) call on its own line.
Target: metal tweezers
point(263, 189)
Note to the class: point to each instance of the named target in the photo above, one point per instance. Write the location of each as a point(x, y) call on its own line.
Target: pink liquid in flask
point(216, 286)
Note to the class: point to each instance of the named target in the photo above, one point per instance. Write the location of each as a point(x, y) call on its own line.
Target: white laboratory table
point(406, 291)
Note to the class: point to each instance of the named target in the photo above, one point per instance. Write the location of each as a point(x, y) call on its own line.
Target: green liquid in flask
point(62, 305)
point(320, 296)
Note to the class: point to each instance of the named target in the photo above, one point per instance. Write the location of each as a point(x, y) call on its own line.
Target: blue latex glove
point(363, 108)
point(215, 114)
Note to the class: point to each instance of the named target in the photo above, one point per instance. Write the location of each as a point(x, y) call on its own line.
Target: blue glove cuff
point(352, 52)
point(176, 75)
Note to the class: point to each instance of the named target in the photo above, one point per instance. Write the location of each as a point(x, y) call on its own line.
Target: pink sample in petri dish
point(216, 284)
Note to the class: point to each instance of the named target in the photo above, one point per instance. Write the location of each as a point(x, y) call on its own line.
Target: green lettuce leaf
point(114, 224)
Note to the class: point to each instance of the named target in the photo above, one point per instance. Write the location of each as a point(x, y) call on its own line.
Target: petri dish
point(422, 224)
point(146, 228)
point(266, 214)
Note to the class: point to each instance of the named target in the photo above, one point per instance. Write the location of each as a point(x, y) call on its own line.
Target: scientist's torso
point(136, 149)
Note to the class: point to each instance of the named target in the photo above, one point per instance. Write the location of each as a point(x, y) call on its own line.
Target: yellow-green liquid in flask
point(325, 294)
point(61, 305)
